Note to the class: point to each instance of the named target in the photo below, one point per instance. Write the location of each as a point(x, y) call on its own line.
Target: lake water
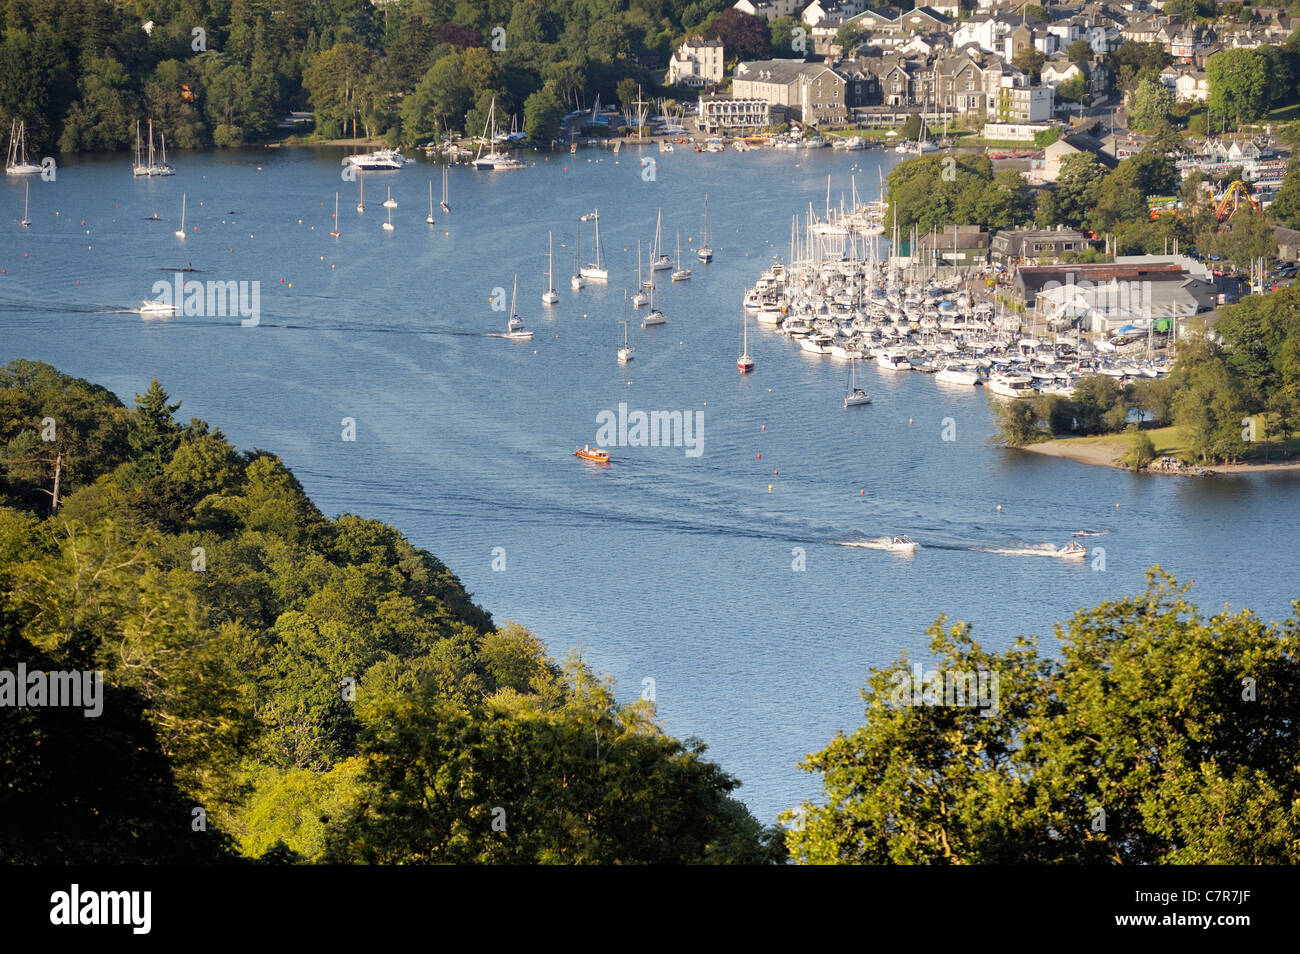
point(669, 567)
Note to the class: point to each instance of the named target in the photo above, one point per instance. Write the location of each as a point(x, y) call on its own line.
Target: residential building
point(697, 63)
point(1018, 244)
point(769, 9)
point(812, 93)
point(1048, 169)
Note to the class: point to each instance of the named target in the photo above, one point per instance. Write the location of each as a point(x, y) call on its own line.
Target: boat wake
point(1090, 533)
point(1032, 549)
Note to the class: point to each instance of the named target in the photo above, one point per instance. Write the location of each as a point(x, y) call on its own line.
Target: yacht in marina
point(1012, 385)
point(494, 160)
point(956, 374)
point(893, 361)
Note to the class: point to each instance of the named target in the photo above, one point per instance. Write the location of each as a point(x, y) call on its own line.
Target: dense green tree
point(1153, 101)
point(1240, 83)
point(542, 114)
point(1080, 51)
point(1121, 744)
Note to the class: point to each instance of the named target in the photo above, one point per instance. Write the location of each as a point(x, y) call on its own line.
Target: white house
point(697, 62)
point(831, 11)
point(769, 9)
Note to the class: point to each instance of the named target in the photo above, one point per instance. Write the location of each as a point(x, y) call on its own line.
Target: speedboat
point(902, 542)
point(1072, 551)
point(156, 307)
point(593, 454)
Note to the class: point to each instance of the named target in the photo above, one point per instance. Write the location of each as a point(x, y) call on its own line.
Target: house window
point(970, 86)
point(1069, 246)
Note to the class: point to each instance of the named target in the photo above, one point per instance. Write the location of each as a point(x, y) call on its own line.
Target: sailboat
point(138, 168)
point(446, 200)
point(549, 297)
point(595, 270)
point(162, 169)
point(27, 195)
point(388, 226)
point(658, 260)
point(494, 160)
point(515, 326)
point(429, 218)
point(704, 253)
point(746, 361)
point(335, 232)
point(361, 204)
point(390, 202)
point(625, 353)
point(180, 232)
point(654, 316)
point(16, 163)
point(640, 298)
point(855, 395)
point(682, 274)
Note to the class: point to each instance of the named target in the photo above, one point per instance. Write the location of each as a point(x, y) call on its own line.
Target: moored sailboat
point(595, 270)
point(549, 297)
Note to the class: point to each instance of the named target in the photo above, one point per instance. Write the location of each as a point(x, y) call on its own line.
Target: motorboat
point(593, 454)
point(381, 160)
point(956, 374)
point(893, 361)
point(1012, 385)
point(1072, 551)
point(902, 542)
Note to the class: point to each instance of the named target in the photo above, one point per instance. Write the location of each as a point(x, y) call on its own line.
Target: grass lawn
point(1285, 113)
point(1168, 442)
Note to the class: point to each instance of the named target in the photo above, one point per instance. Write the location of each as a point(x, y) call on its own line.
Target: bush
point(228, 136)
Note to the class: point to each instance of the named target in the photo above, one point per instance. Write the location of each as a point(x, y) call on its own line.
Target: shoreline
point(1106, 455)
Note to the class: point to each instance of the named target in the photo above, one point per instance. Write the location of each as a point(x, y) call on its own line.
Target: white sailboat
point(361, 203)
point(446, 200)
point(27, 195)
point(682, 274)
point(658, 260)
point(388, 226)
point(745, 363)
point(654, 316)
point(335, 232)
point(429, 218)
point(161, 169)
point(855, 396)
point(494, 160)
point(704, 253)
point(390, 202)
point(549, 297)
point(595, 270)
point(640, 298)
point(515, 329)
point(16, 163)
point(138, 168)
point(625, 353)
point(180, 232)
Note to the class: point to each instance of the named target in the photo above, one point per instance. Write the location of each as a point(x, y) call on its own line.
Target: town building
point(738, 113)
